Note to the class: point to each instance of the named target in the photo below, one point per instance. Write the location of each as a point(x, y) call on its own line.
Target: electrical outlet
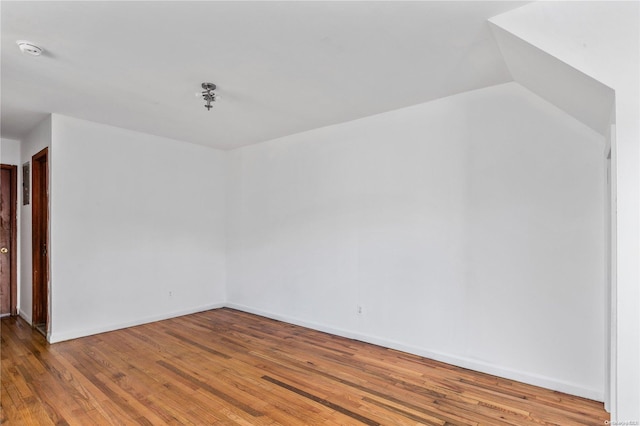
point(359, 310)
point(170, 294)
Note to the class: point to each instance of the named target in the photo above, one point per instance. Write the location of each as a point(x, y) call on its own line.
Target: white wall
point(10, 154)
point(137, 228)
point(37, 139)
point(602, 40)
point(469, 229)
point(536, 242)
point(10, 151)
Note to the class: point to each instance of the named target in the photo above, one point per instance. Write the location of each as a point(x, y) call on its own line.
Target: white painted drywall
point(576, 93)
point(536, 241)
point(36, 140)
point(602, 40)
point(10, 151)
point(137, 228)
point(469, 229)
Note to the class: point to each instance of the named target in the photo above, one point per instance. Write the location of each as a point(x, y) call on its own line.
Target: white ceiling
point(281, 67)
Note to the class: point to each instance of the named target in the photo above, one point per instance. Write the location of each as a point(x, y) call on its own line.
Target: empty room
point(323, 212)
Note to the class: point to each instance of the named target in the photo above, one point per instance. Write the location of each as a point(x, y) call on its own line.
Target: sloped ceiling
point(568, 88)
point(281, 67)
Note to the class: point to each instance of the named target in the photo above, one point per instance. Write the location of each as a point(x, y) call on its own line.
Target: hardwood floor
point(232, 368)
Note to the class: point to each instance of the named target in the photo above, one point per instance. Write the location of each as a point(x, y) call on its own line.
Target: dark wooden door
point(40, 239)
point(8, 240)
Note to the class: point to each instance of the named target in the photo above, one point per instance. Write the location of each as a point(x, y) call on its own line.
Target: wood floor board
point(226, 367)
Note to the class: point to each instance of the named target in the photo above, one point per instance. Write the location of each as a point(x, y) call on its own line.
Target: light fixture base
point(29, 48)
point(208, 94)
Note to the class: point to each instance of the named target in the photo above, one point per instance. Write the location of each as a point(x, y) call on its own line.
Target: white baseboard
point(471, 364)
point(75, 334)
point(25, 317)
point(313, 325)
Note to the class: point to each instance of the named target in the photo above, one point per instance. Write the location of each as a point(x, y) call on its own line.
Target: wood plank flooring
point(231, 368)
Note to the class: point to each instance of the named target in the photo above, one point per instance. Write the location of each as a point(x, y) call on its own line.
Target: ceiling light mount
point(29, 48)
point(208, 94)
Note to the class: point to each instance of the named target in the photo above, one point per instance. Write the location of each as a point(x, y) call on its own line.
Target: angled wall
point(576, 93)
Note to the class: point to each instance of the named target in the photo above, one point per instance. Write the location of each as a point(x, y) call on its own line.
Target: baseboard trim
point(25, 317)
point(76, 334)
point(471, 364)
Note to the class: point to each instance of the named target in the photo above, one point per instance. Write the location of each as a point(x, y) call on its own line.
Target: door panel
point(40, 243)
point(7, 240)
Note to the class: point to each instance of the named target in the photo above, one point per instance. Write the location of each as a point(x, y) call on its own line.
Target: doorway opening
point(40, 240)
point(8, 240)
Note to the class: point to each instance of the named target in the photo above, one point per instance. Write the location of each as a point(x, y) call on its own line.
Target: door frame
point(13, 240)
point(40, 238)
point(611, 281)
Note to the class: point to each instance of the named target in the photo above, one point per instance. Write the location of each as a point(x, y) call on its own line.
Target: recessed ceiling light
point(29, 48)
